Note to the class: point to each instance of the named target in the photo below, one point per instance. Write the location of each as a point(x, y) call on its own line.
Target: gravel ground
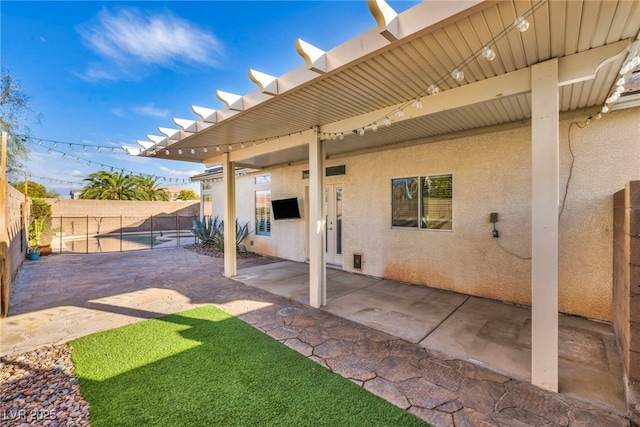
point(38, 389)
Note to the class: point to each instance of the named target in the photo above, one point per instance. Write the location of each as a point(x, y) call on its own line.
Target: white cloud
point(150, 110)
point(118, 112)
point(77, 173)
point(128, 40)
point(173, 172)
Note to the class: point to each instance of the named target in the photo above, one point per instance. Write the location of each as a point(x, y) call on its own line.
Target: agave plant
point(210, 232)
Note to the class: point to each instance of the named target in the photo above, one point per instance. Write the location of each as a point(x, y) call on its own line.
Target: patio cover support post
point(229, 217)
point(317, 223)
point(544, 221)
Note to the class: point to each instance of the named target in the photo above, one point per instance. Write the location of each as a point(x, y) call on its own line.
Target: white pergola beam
point(158, 140)
point(386, 19)
point(545, 167)
point(186, 125)
point(267, 147)
point(317, 224)
point(231, 100)
point(267, 84)
point(172, 134)
point(315, 58)
point(146, 144)
point(577, 67)
point(206, 114)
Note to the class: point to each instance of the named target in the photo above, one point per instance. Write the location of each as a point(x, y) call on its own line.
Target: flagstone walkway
point(62, 297)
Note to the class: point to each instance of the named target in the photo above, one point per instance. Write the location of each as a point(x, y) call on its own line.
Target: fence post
point(87, 233)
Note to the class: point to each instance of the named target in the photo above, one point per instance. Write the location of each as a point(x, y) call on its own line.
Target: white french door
point(333, 228)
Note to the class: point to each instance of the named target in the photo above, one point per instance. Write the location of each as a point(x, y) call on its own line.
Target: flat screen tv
point(285, 208)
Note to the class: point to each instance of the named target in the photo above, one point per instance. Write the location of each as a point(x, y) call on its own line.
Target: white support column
point(229, 178)
point(544, 219)
point(317, 223)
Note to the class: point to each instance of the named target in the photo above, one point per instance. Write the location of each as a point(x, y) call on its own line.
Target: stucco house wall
point(491, 171)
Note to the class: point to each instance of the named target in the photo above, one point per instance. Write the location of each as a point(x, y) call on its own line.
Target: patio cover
point(397, 83)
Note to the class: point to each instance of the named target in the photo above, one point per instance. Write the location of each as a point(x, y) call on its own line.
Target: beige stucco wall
point(492, 173)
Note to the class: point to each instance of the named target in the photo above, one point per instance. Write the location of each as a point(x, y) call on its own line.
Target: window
point(422, 202)
point(263, 179)
point(263, 212)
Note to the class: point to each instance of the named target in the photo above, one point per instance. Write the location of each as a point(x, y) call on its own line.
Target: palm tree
point(149, 189)
point(110, 186)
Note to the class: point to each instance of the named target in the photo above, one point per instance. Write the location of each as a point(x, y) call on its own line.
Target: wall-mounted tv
point(285, 208)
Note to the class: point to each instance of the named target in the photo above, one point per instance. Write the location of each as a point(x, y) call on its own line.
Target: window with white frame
point(424, 202)
point(263, 212)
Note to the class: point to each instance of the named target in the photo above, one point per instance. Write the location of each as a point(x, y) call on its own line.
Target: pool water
point(112, 243)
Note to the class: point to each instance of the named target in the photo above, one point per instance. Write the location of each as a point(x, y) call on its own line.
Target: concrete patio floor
point(486, 332)
point(407, 344)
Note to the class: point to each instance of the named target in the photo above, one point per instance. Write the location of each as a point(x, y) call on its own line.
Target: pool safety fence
point(91, 234)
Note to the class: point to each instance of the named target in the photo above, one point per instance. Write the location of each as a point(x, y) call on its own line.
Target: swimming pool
point(114, 243)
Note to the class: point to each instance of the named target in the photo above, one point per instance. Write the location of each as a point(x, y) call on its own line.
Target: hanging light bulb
point(193, 151)
point(179, 150)
point(84, 148)
point(242, 145)
point(621, 81)
point(230, 147)
point(457, 74)
point(416, 103)
point(99, 150)
point(521, 24)
point(49, 151)
point(77, 159)
point(167, 152)
point(89, 163)
point(488, 53)
point(598, 116)
point(387, 121)
point(204, 149)
point(605, 109)
point(70, 146)
point(400, 113)
point(40, 142)
point(113, 150)
point(619, 89)
point(341, 137)
point(64, 155)
point(374, 126)
point(361, 132)
point(55, 144)
point(613, 98)
point(217, 148)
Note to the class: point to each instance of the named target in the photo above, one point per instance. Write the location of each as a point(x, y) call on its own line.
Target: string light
point(416, 103)
point(488, 53)
point(521, 24)
point(457, 74)
point(204, 149)
point(193, 151)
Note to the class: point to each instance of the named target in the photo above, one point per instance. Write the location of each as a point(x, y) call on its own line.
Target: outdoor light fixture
point(457, 74)
point(166, 152)
point(204, 149)
point(387, 121)
point(193, 151)
point(217, 148)
point(521, 24)
point(433, 89)
point(179, 151)
point(374, 126)
point(416, 103)
point(488, 53)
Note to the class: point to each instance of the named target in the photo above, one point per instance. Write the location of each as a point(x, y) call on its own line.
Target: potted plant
point(33, 252)
point(40, 214)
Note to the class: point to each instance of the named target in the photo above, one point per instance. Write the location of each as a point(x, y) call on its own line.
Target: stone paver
point(67, 296)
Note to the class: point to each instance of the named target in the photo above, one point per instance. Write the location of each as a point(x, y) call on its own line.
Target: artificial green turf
point(204, 367)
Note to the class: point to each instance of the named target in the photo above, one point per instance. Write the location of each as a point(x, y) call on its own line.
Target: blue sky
point(109, 73)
